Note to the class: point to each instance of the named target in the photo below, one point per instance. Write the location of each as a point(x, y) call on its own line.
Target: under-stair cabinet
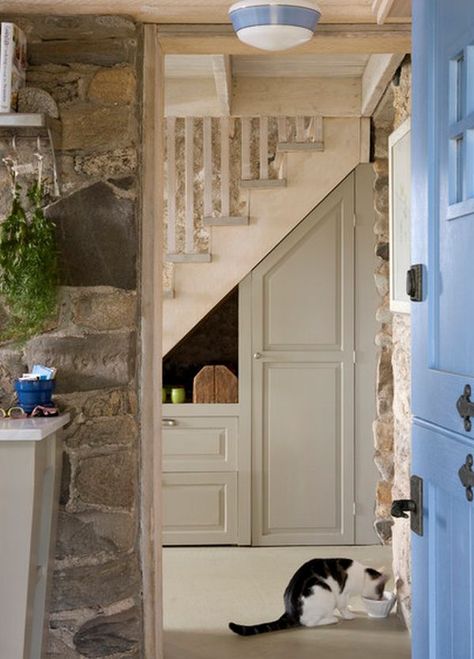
point(292, 462)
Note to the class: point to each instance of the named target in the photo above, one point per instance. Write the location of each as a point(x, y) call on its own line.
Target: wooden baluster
point(246, 169)
point(225, 168)
point(189, 184)
point(207, 157)
point(282, 129)
point(300, 132)
point(263, 148)
point(171, 183)
point(317, 130)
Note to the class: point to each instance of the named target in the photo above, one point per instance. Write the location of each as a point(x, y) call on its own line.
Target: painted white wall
point(273, 213)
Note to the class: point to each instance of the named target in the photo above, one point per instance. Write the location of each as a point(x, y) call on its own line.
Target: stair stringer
point(236, 250)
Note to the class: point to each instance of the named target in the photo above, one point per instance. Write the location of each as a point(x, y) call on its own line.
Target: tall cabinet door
point(303, 381)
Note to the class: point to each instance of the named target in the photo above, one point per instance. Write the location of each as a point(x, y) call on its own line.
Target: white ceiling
point(286, 66)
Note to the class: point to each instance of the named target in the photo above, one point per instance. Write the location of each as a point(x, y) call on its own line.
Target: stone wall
point(392, 430)
point(89, 68)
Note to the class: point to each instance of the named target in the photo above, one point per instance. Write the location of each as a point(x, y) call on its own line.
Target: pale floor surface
point(206, 587)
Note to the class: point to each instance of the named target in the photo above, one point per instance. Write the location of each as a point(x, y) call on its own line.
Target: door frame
point(150, 351)
point(365, 329)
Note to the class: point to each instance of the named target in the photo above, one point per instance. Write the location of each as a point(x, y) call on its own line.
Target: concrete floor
point(205, 588)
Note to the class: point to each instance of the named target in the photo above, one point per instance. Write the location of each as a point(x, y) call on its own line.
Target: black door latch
point(415, 283)
point(401, 507)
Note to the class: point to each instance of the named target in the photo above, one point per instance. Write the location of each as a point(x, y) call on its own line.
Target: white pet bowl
point(380, 608)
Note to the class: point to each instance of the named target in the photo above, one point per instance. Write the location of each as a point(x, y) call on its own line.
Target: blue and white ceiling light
point(274, 24)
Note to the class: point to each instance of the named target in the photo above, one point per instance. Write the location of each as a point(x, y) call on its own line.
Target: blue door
point(443, 326)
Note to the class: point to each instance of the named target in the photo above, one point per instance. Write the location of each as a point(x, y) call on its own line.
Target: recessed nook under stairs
point(205, 588)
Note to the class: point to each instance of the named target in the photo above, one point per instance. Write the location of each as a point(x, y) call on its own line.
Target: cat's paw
point(346, 614)
point(332, 620)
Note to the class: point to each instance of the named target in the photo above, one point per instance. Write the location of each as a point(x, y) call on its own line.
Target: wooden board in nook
point(215, 384)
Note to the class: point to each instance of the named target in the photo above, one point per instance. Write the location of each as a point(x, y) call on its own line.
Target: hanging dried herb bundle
point(28, 266)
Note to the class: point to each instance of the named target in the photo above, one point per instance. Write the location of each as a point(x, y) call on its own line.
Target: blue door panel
point(443, 576)
point(443, 323)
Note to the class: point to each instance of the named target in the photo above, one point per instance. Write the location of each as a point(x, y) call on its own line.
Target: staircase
point(235, 186)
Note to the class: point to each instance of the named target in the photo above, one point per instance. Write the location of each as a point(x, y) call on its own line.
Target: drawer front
point(194, 444)
point(199, 509)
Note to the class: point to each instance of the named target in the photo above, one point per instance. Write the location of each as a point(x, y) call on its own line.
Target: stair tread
point(224, 220)
point(189, 258)
point(300, 146)
point(263, 183)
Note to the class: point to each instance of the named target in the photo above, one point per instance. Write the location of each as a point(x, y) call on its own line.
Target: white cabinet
point(201, 498)
point(30, 461)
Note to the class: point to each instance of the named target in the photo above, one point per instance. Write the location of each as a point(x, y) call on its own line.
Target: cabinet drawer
point(200, 444)
point(199, 509)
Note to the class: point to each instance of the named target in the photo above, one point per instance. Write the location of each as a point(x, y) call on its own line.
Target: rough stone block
point(384, 463)
point(110, 635)
point(93, 534)
point(97, 238)
point(32, 99)
point(381, 166)
point(102, 431)
point(115, 85)
point(64, 492)
point(12, 365)
point(383, 435)
point(383, 251)
point(103, 308)
point(102, 403)
point(91, 128)
point(56, 649)
point(384, 370)
point(101, 52)
point(95, 586)
point(64, 85)
point(383, 528)
point(75, 27)
point(106, 480)
point(110, 163)
point(86, 363)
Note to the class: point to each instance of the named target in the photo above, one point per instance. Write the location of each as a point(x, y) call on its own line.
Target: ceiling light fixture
point(274, 24)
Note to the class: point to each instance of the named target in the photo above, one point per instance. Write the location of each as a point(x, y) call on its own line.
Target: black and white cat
point(318, 588)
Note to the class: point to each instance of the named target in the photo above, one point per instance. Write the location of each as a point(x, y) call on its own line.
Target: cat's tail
point(285, 622)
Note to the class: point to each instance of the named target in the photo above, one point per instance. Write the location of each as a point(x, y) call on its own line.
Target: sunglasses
point(12, 413)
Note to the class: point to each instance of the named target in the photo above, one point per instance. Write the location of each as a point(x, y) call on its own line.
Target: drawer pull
point(169, 422)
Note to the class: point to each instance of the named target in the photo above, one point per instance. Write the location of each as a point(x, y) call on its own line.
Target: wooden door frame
point(150, 367)
point(150, 352)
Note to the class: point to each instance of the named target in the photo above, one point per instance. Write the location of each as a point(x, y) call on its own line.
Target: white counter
point(30, 474)
point(32, 429)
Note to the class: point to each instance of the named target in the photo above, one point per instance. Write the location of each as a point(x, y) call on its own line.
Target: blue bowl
point(34, 392)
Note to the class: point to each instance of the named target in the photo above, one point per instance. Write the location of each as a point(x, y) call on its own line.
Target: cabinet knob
point(168, 422)
point(257, 355)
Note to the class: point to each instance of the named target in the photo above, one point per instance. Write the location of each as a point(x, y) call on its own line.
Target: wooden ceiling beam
point(381, 9)
point(378, 73)
point(222, 70)
point(212, 39)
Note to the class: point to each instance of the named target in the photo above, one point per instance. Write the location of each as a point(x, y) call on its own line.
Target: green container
point(178, 395)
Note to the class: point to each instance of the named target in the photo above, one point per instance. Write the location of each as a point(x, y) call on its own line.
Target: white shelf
point(32, 429)
point(19, 120)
